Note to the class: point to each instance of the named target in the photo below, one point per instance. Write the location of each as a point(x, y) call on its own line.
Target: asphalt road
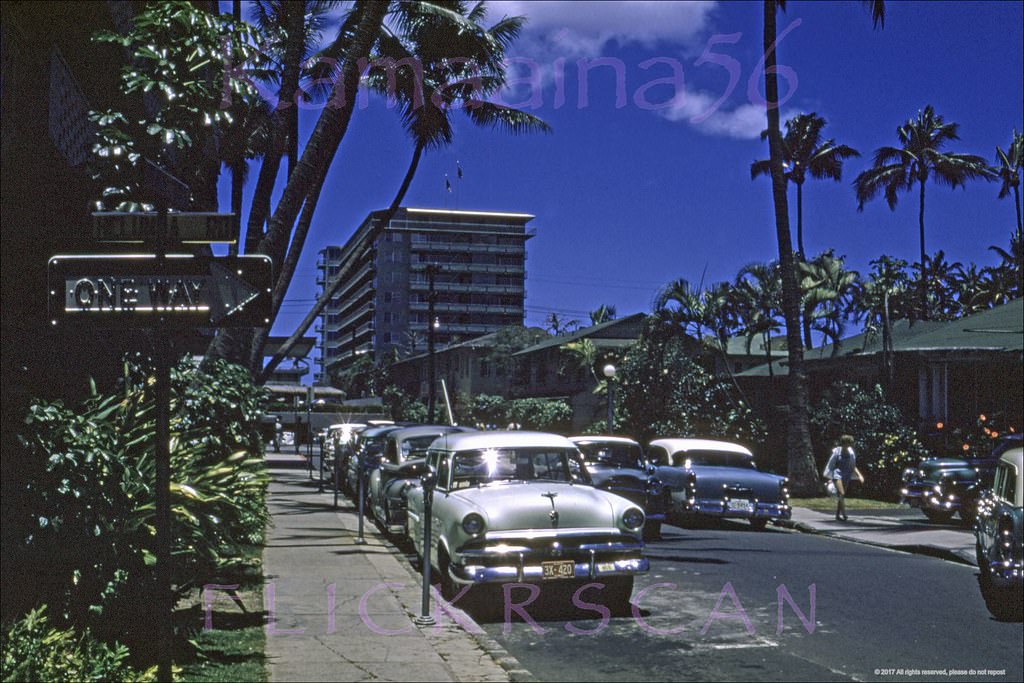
point(709, 610)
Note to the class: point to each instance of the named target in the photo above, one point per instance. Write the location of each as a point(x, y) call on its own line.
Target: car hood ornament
point(553, 515)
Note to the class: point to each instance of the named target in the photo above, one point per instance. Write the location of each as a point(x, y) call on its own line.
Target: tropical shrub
point(86, 526)
point(662, 392)
point(885, 443)
point(541, 414)
point(33, 650)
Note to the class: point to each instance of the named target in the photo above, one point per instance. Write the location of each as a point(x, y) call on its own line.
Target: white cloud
point(583, 29)
point(744, 122)
point(589, 25)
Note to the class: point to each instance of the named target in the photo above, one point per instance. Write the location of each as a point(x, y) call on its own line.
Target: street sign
point(193, 227)
point(143, 290)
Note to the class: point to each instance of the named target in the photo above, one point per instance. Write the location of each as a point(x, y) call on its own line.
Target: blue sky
point(628, 196)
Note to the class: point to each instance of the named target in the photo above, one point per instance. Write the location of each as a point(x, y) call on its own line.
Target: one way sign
point(144, 290)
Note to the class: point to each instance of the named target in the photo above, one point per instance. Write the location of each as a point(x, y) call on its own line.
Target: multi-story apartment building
point(383, 304)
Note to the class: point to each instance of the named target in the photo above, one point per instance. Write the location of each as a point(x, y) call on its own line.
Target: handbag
point(831, 488)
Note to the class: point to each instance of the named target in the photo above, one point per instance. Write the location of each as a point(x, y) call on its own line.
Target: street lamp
point(609, 372)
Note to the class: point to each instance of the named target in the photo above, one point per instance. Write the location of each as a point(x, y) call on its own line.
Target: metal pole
point(611, 406)
point(165, 599)
point(362, 497)
point(164, 596)
point(425, 619)
point(431, 271)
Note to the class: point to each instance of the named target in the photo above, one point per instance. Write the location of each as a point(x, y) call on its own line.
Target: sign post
point(168, 293)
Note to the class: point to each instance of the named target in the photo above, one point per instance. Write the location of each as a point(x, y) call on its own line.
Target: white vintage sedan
point(517, 507)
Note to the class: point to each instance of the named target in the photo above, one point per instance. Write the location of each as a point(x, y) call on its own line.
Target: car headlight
point(633, 518)
point(473, 524)
point(909, 473)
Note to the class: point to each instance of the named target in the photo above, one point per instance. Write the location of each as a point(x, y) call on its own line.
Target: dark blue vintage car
point(943, 487)
point(999, 529)
point(710, 478)
point(617, 464)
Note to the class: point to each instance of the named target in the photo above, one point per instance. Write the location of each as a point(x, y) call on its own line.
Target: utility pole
point(431, 271)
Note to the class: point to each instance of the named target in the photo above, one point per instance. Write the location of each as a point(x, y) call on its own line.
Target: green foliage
point(885, 443)
point(87, 525)
point(978, 439)
point(482, 410)
point(188, 58)
point(662, 392)
point(33, 650)
point(541, 414)
point(401, 407)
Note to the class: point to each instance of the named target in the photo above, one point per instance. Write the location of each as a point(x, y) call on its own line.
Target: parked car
point(519, 506)
point(708, 478)
point(368, 445)
point(943, 487)
point(617, 464)
point(398, 468)
point(998, 533)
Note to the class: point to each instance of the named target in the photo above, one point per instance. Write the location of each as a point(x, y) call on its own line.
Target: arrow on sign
point(227, 293)
point(144, 290)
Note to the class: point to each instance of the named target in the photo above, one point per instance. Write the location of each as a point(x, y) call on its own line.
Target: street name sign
point(192, 227)
point(143, 290)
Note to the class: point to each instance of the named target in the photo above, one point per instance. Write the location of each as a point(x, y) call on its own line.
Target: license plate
point(562, 569)
point(740, 506)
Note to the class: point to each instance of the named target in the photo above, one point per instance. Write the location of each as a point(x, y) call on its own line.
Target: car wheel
point(652, 530)
point(448, 587)
point(1003, 602)
point(938, 516)
point(758, 523)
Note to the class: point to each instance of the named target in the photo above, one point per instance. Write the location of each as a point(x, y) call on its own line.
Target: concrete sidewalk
point(342, 611)
point(905, 530)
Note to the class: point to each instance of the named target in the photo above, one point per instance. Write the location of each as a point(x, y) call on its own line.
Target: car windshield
point(612, 454)
point(515, 464)
point(705, 458)
point(374, 445)
point(417, 443)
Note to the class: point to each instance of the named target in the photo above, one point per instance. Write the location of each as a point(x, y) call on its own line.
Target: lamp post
point(609, 372)
point(431, 271)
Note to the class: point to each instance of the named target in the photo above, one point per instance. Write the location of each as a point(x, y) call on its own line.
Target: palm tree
point(829, 293)
point(919, 157)
point(457, 68)
point(1009, 172)
point(802, 471)
point(759, 290)
point(602, 314)
point(804, 152)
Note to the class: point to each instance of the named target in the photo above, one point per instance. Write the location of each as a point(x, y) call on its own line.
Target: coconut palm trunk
point(343, 272)
point(236, 344)
point(924, 255)
point(802, 472)
point(284, 279)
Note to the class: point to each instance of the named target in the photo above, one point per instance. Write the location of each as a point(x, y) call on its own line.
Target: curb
point(929, 550)
point(490, 647)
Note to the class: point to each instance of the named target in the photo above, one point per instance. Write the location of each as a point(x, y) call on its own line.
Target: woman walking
point(841, 469)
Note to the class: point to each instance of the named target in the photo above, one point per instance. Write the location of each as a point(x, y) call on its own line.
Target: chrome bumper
point(721, 508)
point(521, 572)
point(925, 497)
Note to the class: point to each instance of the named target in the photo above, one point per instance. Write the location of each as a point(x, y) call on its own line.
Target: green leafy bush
point(662, 392)
point(33, 650)
point(86, 526)
point(885, 443)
